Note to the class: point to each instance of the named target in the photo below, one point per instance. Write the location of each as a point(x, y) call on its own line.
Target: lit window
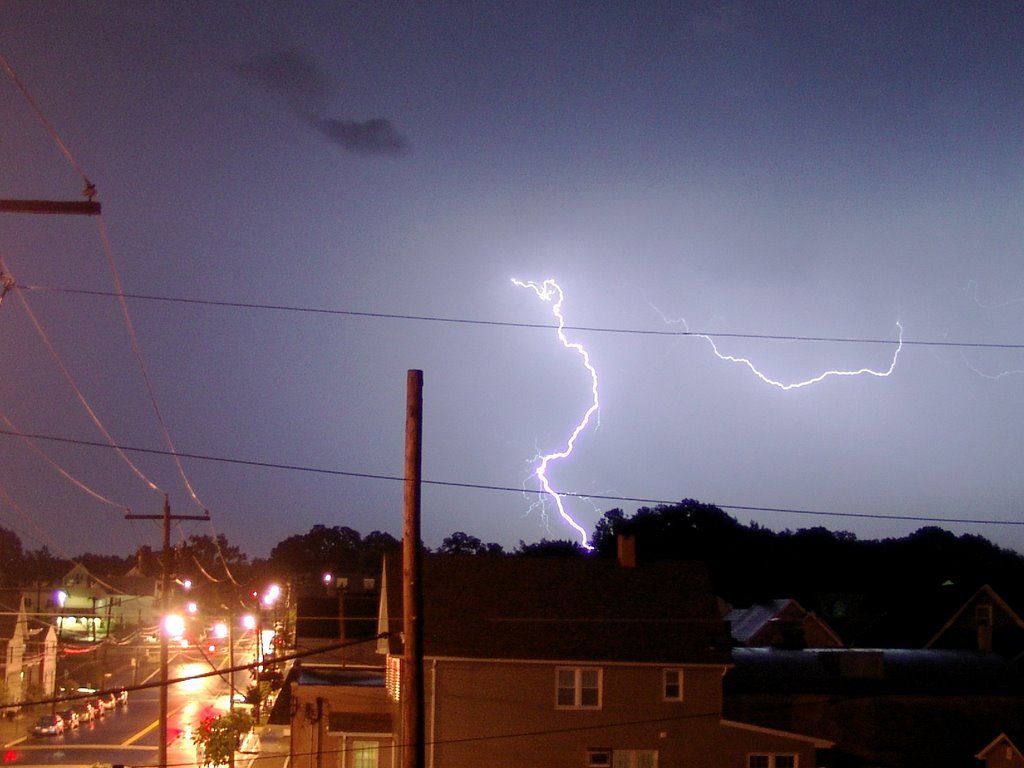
point(578, 688)
point(672, 685)
point(771, 761)
point(635, 758)
point(365, 754)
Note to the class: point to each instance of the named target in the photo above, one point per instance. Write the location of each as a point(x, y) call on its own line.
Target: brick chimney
point(627, 551)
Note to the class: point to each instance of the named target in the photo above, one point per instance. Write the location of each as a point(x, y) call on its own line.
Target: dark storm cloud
point(372, 137)
point(291, 75)
point(304, 86)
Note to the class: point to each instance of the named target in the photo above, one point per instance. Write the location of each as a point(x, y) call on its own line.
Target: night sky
point(744, 170)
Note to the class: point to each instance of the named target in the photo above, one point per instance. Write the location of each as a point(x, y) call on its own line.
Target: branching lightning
point(550, 291)
point(796, 384)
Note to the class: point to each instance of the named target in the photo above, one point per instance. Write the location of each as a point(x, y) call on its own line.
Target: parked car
point(71, 719)
point(86, 711)
point(49, 725)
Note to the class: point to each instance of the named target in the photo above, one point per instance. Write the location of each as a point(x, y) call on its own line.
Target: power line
point(510, 324)
point(519, 490)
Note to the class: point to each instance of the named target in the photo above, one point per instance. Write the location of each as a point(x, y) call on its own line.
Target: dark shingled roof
point(876, 672)
point(581, 609)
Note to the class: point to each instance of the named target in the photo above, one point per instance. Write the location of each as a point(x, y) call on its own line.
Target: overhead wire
point(521, 491)
point(61, 470)
point(93, 416)
point(140, 361)
point(46, 123)
point(90, 192)
point(663, 332)
point(122, 297)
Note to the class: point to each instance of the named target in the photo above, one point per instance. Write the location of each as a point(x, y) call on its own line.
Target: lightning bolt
point(796, 384)
point(973, 286)
point(550, 291)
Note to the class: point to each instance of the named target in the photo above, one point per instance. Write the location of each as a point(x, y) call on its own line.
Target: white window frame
point(577, 687)
point(773, 758)
point(678, 682)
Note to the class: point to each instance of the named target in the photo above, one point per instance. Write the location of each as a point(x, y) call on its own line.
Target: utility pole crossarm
point(66, 207)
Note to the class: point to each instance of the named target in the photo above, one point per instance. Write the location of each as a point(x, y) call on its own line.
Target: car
point(49, 725)
point(122, 697)
point(86, 712)
point(109, 701)
point(100, 707)
point(71, 719)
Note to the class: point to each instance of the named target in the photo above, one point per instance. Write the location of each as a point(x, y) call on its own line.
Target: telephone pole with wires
point(165, 587)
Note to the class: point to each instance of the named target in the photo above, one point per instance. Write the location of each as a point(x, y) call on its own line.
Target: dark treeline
point(855, 584)
point(830, 572)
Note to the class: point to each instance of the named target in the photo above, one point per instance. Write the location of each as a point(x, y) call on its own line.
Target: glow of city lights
point(248, 622)
point(220, 630)
point(550, 291)
point(192, 672)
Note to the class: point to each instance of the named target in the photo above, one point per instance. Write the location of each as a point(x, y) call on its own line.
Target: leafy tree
point(217, 738)
point(106, 565)
point(324, 549)
point(11, 558)
point(460, 543)
point(41, 565)
point(549, 548)
point(375, 545)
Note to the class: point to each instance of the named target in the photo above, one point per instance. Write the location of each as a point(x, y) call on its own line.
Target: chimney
point(627, 551)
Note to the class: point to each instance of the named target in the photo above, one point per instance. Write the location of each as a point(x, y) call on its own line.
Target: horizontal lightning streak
point(792, 385)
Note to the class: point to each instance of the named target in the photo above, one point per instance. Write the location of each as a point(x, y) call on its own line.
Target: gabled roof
point(984, 595)
point(747, 622)
point(572, 609)
point(920, 617)
point(764, 623)
point(999, 742)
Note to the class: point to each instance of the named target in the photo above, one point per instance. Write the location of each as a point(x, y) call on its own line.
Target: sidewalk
point(274, 749)
point(15, 729)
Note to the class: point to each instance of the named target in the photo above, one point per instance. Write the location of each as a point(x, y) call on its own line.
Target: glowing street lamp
point(174, 625)
point(270, 596)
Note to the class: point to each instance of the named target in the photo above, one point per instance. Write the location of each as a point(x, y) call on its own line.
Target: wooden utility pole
point(413, 753)
point(165, 589)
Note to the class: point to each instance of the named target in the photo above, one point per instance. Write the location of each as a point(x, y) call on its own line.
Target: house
point(1001, 753)
point(984, 622)
point(947, 616)
point(780, 624)
point(84, 606)
point(28, 655)
point(564, 661)
point(897, 708)
point(340, 717)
